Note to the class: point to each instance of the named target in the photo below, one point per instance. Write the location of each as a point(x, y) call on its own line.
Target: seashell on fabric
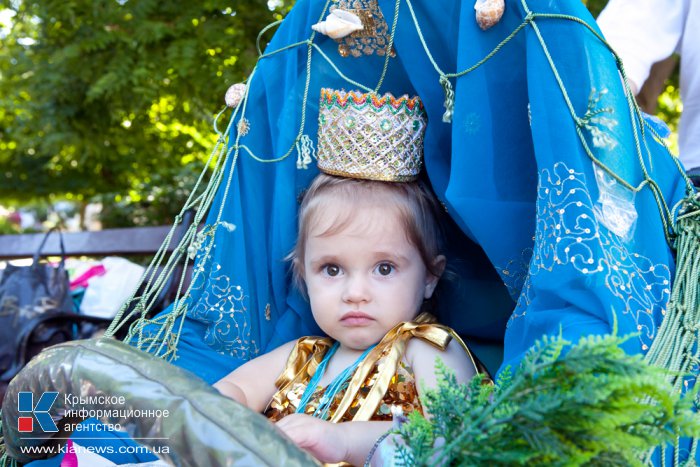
point(234, 95)
point(489, 12)
point(338, 24)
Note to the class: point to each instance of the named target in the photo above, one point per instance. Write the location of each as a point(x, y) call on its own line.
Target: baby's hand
point(320, 438)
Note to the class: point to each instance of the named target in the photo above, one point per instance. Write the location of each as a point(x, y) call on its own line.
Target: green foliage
point(595, 6)
point(7, 227)
point(670, 108)
point(97, 96)
point(589, 403)
point(151, 202)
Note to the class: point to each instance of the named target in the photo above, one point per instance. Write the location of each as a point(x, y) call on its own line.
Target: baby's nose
point(356, 290)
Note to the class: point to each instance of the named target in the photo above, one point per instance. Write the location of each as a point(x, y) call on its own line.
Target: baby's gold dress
point(382, 379)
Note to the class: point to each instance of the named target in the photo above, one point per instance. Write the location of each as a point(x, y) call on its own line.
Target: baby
point(368, 256)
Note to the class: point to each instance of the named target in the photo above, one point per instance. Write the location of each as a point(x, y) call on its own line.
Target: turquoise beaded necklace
point(339, 383)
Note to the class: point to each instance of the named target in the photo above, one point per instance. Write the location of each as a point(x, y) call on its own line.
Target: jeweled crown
point(363, 135)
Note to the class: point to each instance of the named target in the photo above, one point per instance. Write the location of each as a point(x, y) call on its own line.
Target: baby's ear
point(431, 280)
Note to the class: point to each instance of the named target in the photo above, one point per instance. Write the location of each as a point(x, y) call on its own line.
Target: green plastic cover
point(201, 427)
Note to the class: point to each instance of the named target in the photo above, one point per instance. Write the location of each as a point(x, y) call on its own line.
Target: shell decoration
point(489, 12)
point(338, 24)
point(234, 95)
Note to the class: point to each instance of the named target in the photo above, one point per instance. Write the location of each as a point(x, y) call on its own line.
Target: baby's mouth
point(356, 318)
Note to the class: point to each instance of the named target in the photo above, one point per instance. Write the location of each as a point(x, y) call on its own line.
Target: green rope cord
point(526, 21)
point(262, 32)
point(3, 449)
point(664, 211)
point(153, 289)
point(154, 284)
point(389, 47)
point(142, 308)
point(340, 73)
point(422, 39)
point(693, 449)
point(179, 308)
point(168, 345)
point(449, 99)
point(7, 461)
point(689, 187)
point(156, 262)
point(285, 48)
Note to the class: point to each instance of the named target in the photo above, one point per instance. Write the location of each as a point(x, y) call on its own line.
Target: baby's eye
point(331, 270)
point(385, 269)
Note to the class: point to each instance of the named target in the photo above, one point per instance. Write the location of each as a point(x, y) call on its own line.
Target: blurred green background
point(110, 102)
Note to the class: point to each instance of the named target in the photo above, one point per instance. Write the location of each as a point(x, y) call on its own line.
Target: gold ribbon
point(391, 348)
point(309, 352)
point(301, 366)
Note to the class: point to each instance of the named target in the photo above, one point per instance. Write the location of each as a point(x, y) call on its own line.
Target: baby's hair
point(417, 208)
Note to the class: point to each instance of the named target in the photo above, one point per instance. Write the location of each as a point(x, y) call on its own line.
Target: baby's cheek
point(321, 297)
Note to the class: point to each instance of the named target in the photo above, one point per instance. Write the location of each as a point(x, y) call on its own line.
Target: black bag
point(31, 300)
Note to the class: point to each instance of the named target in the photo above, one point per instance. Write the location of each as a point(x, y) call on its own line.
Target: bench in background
point(125, 242)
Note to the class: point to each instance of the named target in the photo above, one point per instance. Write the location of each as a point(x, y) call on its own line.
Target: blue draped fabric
point(534, 220)
point(541, 238)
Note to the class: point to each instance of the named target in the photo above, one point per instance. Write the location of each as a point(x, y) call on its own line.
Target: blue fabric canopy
point(543, 240)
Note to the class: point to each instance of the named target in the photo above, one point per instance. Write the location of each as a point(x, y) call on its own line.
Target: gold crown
point(363, 135)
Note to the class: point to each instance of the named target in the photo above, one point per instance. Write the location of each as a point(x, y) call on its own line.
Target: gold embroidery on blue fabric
point(568, 234)
point(598, 125)
point(373, 38)
point(243, 126)
point(514, 274)
point(221, 306)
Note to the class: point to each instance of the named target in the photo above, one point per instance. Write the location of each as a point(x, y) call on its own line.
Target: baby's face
point(365, 278)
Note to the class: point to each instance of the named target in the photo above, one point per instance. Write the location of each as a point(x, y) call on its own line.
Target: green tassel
point(449, 98)
point(305, 150)
point(675, 345)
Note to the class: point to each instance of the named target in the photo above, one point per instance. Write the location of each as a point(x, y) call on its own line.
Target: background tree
point(111, 96)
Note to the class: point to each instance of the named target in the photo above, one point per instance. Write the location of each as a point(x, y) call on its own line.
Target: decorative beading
point(373, 38)
point(569, 235)
point(363, 135)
